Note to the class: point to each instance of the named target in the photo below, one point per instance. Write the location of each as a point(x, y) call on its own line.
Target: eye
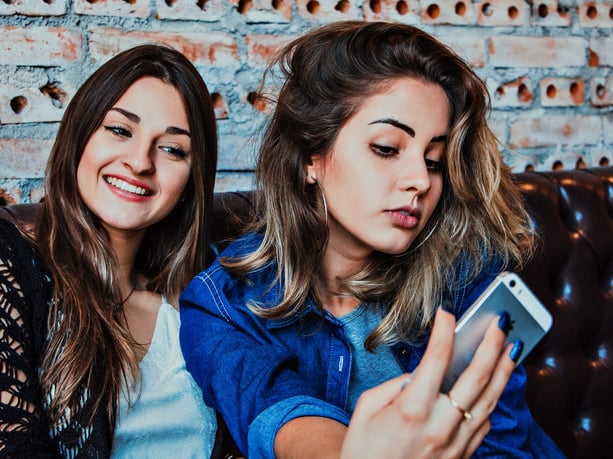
point(175, 152)
point(118, 131)
point(434, 166)
point(383, 151)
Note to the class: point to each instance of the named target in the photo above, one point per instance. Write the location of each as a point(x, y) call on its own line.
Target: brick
point(203, 49)
point(456, 12)
point(201, 10)
point(264, 11)
point(470, 48)
point(549, 13)
point(33, 8)
point(515, 51)
point(601, 92)
point(21, 158)
point(31, 105)
point(403, 11)
point(607, 122)
point(601, 52)
point(43, 46)
point(237, 152)
point(511, 94)
point(594, 14)
point(555, 130)
point(328, 10)
point(122, 8)
point(234, 181)
point(501, 13)
point(261, 48)
point(562, 92)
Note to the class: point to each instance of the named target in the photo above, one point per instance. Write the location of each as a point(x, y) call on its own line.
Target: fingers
point(429, 374)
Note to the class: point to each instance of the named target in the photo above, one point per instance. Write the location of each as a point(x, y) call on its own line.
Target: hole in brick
point(217, 100)
point(575, 90)
point(256, 101)
point(244, 6)
point(523, 93)
point(487, 9)
point(131, 2)
point(593, 59)
point(601, 91)
point(433, 11)
point(551, 91)
point(58, 96)
point(557, 165)
point(500, 92)
point(277, 4)
point(170, 3)
point(543, 10)
point(580, 164)
point(460, 9)
point(591, 12)
point(202, 4)
point(611, 14)
point(9, 2)
point(529, 168)
point(375, 6)
point(18, 104)
point(604, 161)
point(342, 6)
point(313, 7)
point(562, 10)
point(513, 12)
point(402, 7)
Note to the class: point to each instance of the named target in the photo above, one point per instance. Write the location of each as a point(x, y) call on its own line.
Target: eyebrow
point(408, 129)
point(136, 119)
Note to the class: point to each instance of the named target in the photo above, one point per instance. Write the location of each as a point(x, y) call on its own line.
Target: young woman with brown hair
point(381, 196)
point(91, 364)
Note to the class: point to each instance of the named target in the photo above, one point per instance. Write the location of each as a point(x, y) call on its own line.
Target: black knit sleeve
point(23, 431)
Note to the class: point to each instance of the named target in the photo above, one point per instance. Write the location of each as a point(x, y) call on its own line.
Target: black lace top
point(26, 292)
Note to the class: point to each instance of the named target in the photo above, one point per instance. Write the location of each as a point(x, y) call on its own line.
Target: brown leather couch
point(570, 372)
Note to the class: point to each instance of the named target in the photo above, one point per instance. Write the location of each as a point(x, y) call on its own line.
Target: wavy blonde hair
point(327, 74)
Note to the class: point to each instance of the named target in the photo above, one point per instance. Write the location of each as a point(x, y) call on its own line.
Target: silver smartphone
point(530, 321)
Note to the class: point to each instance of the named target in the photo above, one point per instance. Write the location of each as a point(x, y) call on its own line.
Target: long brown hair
point(327, 74)
point(89, 346)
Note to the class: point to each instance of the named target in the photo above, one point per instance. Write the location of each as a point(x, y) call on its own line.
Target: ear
point(314, 168)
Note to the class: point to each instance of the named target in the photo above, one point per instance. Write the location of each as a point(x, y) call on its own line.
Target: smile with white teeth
point(125, 186)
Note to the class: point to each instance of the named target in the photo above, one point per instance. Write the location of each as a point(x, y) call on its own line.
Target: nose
point(415, 176)
point(139, 159)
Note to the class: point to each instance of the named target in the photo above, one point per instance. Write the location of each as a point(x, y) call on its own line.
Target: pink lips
point(405, 217)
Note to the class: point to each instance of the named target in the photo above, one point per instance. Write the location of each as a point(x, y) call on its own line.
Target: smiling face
point(383, 178)
point(137, 163)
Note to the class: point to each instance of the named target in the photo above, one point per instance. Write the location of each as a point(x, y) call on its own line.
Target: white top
point(169, 418)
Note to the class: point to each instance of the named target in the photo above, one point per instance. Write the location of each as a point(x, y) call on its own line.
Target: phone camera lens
point(512, 283)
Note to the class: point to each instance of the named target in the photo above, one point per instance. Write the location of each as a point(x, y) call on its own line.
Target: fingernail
point(518, 347)
point(447, 306)
point(504, 322)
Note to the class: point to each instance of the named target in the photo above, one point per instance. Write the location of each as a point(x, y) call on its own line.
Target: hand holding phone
point(530, 321)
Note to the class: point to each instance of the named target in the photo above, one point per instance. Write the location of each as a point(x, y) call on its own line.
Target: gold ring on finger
point(467, 414)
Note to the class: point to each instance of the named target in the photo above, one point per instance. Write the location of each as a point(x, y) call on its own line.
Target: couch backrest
point(570, 372)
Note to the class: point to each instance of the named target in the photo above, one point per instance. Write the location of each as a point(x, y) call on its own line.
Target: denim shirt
point(261, 373)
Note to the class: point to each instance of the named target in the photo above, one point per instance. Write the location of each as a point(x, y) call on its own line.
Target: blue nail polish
point(447, 306)
point(518, 347)
point(504, 322)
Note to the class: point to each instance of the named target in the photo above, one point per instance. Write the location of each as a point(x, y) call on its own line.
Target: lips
point(405, 217)
point(127, 187)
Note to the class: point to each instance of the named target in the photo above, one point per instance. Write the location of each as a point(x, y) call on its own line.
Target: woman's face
point(383, 178)
point(137, 163)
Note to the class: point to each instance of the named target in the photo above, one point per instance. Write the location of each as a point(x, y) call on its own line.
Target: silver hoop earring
point(430, 233)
